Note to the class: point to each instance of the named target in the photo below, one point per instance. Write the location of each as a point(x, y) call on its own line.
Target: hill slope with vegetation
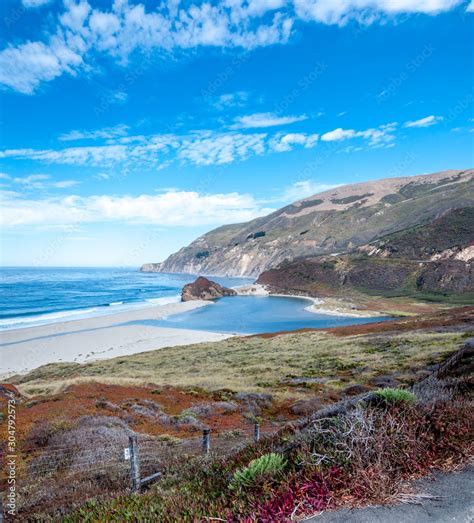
point(431, 261)
point(337, 220)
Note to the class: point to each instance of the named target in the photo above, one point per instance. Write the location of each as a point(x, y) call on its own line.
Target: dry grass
point(258, 364)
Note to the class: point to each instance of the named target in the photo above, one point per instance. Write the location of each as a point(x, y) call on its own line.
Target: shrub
point(395, 395)
point(264, 466)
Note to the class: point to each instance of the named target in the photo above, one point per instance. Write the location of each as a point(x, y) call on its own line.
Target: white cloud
point(171, 208)
point(42, 181)
point(338, 134)
point(237, 99)
point(211, 148)
point(25, 67)
point(260, 120)
point(105, 133)
point(198, 148)
point(82, 30)
point(98, 155)
point(470, 7)
point(377, 137)
point(286, 142)
point(424, 122)
point(366, 11)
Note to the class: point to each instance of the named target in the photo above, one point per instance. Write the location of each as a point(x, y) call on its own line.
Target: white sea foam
point(60, 316)
point(51, 317)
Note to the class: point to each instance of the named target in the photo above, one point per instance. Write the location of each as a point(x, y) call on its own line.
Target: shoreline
point(98, 337)
point(95, 311)
point(332, 307)
point(83, 340)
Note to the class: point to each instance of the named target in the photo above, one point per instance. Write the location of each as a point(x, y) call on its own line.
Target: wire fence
point(53, 476)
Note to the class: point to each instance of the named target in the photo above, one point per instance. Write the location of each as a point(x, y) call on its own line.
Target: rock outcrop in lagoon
point(204, 289)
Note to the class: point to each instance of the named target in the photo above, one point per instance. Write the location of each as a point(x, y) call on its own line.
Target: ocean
point(32, 296)
point(39, 296)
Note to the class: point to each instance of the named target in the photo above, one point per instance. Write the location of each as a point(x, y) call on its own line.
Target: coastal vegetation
point(310, 389)
point(351, 454)
point(284, 365)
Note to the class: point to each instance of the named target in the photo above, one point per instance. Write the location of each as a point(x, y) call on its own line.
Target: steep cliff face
point(337, 220)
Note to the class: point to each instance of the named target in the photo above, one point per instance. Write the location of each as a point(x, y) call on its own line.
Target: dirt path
point(453, 502)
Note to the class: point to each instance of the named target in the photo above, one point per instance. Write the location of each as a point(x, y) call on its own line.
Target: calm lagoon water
point(252, 314)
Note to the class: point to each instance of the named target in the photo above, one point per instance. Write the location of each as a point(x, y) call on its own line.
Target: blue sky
point(128, 129)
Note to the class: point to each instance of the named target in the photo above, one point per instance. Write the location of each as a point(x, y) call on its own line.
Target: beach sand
point(84, 340)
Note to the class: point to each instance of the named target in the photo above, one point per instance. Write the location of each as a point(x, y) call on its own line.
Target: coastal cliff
point(432, 259)
point(339, 220)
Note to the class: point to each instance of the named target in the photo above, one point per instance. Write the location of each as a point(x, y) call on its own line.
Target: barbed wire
point(42, 469)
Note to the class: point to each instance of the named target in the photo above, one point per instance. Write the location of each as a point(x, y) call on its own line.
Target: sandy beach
point(99, 337)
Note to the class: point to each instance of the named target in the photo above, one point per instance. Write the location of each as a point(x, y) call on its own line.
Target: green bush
point(266, 465)
point(396, 395)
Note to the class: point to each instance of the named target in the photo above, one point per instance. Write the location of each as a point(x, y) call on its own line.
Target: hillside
point(337, 220)
point(428, 261)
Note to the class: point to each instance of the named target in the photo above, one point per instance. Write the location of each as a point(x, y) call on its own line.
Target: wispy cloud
point(424, 122)
point(197, 148)
point(42, 181)
point(260, 120)
point(379, 136)
point(237, 99)
point(35, 3)
point(105, 133)
point(211, 149)
point(171, 208)
point(367, 11)
point(286, 142)
point(82, 32)
point(203, 148)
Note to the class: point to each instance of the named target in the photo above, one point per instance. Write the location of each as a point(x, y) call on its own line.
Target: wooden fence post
point(134, 463)
point(256, 432)
point(206, 440)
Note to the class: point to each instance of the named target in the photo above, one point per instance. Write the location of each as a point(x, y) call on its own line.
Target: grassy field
point(259, 364)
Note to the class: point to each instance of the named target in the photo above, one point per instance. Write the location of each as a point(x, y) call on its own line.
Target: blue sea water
point(253, 314)
point(40, 295)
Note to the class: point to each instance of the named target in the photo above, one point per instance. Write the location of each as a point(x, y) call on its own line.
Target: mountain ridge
point(337, 220)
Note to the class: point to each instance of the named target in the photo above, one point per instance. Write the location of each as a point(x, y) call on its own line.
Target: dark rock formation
point(204, 289)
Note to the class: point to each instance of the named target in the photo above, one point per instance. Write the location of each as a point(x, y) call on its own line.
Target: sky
point(128, 129)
